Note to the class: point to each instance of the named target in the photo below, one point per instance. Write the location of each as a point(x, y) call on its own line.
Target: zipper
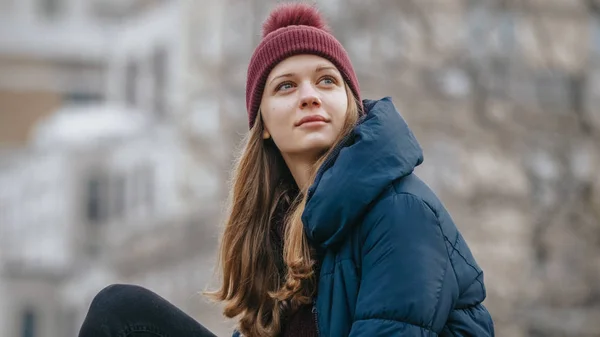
point(315, 316)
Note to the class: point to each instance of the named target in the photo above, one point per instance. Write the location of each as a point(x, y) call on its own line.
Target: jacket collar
point(379, 150)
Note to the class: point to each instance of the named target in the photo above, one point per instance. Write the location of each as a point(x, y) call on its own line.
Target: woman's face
point(304, 105)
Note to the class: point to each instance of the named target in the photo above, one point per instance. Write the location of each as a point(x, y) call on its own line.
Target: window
point(28, 324)
point(131, 81)
point(96, 200)
point(82, 97)
point(159, 73)
point(51, 9)
point(142, 188)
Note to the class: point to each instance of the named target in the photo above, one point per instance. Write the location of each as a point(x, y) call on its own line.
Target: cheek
point(276, 116)
point(339, 107)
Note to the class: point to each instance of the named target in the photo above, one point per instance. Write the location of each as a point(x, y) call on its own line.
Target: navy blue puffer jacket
point(392, 262)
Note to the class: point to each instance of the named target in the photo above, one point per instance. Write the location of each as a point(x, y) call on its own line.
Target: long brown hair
point(252, 287)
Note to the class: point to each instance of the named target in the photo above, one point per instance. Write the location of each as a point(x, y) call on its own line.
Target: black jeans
point(132, 311)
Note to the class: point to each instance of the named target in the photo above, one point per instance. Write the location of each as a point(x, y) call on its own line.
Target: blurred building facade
point(52, 52)
point(104, 175)
point(503, 95)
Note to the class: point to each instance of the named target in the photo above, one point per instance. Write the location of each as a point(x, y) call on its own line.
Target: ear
point(266, 133)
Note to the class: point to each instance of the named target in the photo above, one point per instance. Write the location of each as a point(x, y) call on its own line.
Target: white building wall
point(73, 32)
point(47, 190)
point(36, 230)
point(33, 249)
point(136, 43)
point(61, 53)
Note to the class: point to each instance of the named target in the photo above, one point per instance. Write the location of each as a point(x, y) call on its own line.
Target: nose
point(309, 98)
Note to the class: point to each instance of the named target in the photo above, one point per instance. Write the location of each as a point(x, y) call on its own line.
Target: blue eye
point(284, 86)
point(327, 80)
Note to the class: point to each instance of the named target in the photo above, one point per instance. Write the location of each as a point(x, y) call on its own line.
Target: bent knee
point(117, 297)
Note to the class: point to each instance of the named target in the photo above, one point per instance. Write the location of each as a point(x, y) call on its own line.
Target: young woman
point(330, 233)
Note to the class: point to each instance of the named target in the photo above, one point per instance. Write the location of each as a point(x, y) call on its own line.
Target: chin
point(310, 145)
point(316, 146)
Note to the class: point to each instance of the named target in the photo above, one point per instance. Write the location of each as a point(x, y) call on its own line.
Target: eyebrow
point(319, 69)
point(323, 67)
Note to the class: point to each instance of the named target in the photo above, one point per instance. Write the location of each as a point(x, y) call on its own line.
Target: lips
point(311, 118)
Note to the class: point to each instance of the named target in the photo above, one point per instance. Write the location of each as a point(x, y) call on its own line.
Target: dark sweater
point(301, 323)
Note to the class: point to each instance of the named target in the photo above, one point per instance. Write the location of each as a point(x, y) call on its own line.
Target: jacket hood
point(379, 150)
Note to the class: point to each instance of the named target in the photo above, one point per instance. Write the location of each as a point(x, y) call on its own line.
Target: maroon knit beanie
point(293, 29)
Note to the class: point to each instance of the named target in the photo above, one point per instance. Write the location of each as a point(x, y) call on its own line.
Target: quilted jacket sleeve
point(409, 284)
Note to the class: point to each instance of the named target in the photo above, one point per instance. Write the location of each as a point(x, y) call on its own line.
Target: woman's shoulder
point(407, 200)
point(407, 207)
point(411, 187)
